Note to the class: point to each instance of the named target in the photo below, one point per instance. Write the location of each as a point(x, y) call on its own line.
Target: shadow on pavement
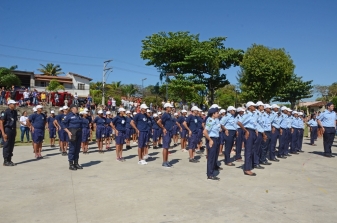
point(91, 163)
point(130, 157)
point(53, 154)
point(153, 154)
point(174, 161)
point(28, 161)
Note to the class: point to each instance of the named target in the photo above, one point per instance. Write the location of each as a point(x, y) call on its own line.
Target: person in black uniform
point(73, 127)
point(8, 129)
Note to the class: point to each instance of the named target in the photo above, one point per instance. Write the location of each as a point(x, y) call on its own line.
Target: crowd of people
point(256, 129)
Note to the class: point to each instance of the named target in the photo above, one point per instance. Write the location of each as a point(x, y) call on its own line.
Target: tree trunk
point(292, 105)
point(211, 91)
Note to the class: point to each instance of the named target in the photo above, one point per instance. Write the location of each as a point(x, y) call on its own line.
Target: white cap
point(183, 111)
point(108, 113)
point(135, 113)
point(100, 112)
point(295, 112)
point(215, 106)
point(250, 103)
point(267, 106)
point(34, 109)
point(175, 114)
point(283, 108)
point(259, 103)
point(230, 108)
point(84, 112)
point(155, 115)
point(65, 107)
point(52, 112)
point(288, 109)
point(222, 111)
point(168, 105)
point(128, 112)
point(61, 109)
point(239, 109)
point(202, 113)
point(81, 113)
point(159, 113)
point(275, 106)
point(144, 106)
point(121, 110)
point(148, 110)
point(194, 108)
point(39, 106)
point(85, 109)
point(300, 113)
point(11, 102)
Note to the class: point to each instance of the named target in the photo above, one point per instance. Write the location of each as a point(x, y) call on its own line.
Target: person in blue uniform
point(129, 130)
point(200, 132)
point(249, 125)
point(290, 120)
point(222, 113)
point(166, 123)
point(139, 123)
point(63, 136)
point(57, 124)
point(191, 124)
point(275, 131)
point(312, 124)
point(119, 126)
point(265, 144)
point(211, 133)
point(8, 129)
point(239, 135)
point(295, 129)
point(327, 121)
point(260, 136)
point(37, 123)
point(108, 129)
point(73, 127)
point(149, 133)
point(301, 132)
point(99, 125)
point(51, 128)
point(86, 125)
point(228, 125)
point(183, 132)
point(175, 131)
point(282, 154)
point(155, 131)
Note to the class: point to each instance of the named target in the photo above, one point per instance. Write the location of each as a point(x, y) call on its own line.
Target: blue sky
point(114, 29)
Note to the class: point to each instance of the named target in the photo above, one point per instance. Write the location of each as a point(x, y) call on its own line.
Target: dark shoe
point(166, 165)
point(275, 160)
point(193, 161)
point(295, 153)
point(78, 166)
point(219, 168)
point(288, 154)
point(282, 157)
point(258, 167)
point(175, 145)
point(300, 151)
point(265, 163)
point(199, 152)
point(231, 164)
point(252, 174)
point(160, 145)
point(71, 165)
point(213, 178)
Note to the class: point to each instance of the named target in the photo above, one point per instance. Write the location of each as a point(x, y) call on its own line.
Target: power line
point(77, 64)
point(73, 55)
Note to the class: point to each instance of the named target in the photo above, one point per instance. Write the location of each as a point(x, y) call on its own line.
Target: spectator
point(66, 102)
point(89, 98)
point(22, 103)
point(13, 93)
point(43, 97)
point(56, 97)
point(109, 103)
point(75, 99)
point(35, 94)
point(113, 104)
point(26, 95)
point(2, 96)
point(23, 126)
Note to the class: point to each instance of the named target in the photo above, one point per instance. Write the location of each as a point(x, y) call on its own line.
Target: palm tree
point(129, 90)
point(51, 69)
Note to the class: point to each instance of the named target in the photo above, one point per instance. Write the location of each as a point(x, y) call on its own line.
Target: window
point(80, 86)
point(43, 84)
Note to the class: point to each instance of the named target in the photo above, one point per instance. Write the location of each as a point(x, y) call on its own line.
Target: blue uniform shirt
point(295, 123)
point(167, 121)
point(212, 126)
point(72, 120)
point(276, 119)
point(284, 121)
point(249, 120)
point(9, 118)
point(155, 124)
point(108, 121)
point(120, 123)
point(89, 118)
point(312, 123)
point(141, 122)
point(301, 123)
point(228, 121)
point(128, 121)
point(99, 121)
point(85, 123)
point(59, 118)
point(238, 118)
point(290, 120)
point(328, 119)
point(50, 121)
point(260, 121)
point(38, 120)
point(266, 122)
point(181, 120)
point(200, 120)
point(192, 123)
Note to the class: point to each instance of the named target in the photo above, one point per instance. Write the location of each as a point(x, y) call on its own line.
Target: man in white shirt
point(113, 104)
point(25, 95)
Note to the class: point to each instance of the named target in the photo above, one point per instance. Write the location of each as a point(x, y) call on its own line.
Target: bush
point(152, 99)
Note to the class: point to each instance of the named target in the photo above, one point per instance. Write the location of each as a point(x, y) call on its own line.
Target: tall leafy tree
point(129, 90)
point(7, 78)
point(227, 96)
point(54, 85)
point(50, 69)
point(264, 72)
point(295, 90)
point(332, 90)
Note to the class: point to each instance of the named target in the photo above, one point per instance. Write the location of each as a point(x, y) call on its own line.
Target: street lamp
point(143, 86)
point(105, 71)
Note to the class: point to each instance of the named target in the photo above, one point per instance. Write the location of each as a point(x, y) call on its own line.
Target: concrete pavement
point(301, 188)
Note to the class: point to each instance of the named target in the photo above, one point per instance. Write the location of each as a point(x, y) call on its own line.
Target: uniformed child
point(149, 123)
point(86, 125)
point(211, 133)
point(99, 126)
point(134, 135)
point(265, 144)
point(312, 124)
point(200, 132)
point(57, 124)
point(239, 135)
point(8, 129)
point(183, 132)
point(51, 128)
point(222, 113)
point(275, 131)
point(161, 131)
point(260, 136)
point(301, 132)
point(119, 126)
point(295, 129)
point(108, 130)
point(155, 131)
point(228, 125)
point(37, 124)
point(191, 124)
point(129, 130)
point(176, 130)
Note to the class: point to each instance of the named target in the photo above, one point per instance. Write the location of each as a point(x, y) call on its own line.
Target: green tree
point(7, 78)
point(295, 90)
point(227, 96)
point(54, 85)
point(50, 69)
point(96, 91)
point(264, 71)
point(332, 90)
point(323, 91)
point(129, 90)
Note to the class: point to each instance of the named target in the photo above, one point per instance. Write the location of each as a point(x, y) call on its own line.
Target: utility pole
point(105, 72)
point(143, 86)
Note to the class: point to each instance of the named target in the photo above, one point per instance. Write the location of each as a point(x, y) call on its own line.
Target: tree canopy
point(295, 90)
point(50, 69)
point(7, 78)
point(264, 72)
point(54, 85)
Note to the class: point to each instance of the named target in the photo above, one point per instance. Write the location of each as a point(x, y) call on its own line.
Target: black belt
point(250, 129)
point(9, 127)
point(267, 131)
point(214, 137)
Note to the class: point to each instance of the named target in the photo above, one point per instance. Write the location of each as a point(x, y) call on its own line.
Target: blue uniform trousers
point(257, 149)
point(294, 140)
point(75, 147)
point(288, 141)
point(8, 146)
point(249, 143)
point(282, 142)
point(328, 138)
point(300, 139)
point(211, 156)
point(238, 144)
point(265, 147)
point(229, 141)
point(313, 134)
point(273, 141)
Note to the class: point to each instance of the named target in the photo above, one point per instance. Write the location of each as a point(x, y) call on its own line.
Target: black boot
point(5, 162)
point(10, 163)
point(78, 166)
point(71, 165)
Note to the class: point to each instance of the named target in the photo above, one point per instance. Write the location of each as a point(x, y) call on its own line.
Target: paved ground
point(301, 188)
